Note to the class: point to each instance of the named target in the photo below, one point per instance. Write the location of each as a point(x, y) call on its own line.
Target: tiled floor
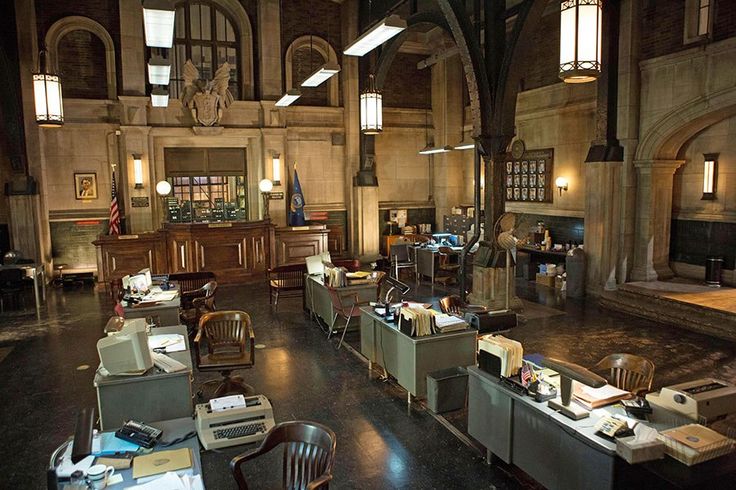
point(381, 444)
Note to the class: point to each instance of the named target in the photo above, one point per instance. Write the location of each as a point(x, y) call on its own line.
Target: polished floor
point(47, 367)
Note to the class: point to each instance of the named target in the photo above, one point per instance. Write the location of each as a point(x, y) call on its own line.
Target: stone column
point(135, 140)
point(269, 42)
point(653, 220)
point(132, 48)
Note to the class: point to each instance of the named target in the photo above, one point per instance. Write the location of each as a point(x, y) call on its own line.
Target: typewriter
point(234, 426)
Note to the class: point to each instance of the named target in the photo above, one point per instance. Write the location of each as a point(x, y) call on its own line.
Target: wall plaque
point(139, 202)
point(276, 195)
point(529, 178)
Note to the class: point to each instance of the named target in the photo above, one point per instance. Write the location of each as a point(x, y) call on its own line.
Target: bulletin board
point(529, 178)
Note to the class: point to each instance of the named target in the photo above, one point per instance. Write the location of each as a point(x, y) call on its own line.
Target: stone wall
point(303, 17)
point(544, 66)
point(405, 85)
point(81, 65)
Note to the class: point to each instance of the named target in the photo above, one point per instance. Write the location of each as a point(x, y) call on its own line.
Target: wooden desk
point(409, 359)
point(155, 395)
point(317, 298)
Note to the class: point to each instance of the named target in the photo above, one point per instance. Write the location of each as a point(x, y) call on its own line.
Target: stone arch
point(327, 52)
point(64, 26)
point(666, 139)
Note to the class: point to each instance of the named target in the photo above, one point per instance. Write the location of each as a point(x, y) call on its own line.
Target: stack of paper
point(422, 320)
point(592, 398)
point(171, 342)
point(171, 481)
point(336, 277)
point(509, 351)
point(449, 323)
point(692, 444)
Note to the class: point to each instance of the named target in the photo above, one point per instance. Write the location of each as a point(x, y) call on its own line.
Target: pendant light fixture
point(465, 144)
point(159, 97)
point(371, 108)
point(324, 72)
point(158, 23)
point(288, 98)
point(159, 70)
point(580, 40)
point(47, 95)
point(376, 35)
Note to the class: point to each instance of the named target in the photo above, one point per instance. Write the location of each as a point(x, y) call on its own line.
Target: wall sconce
point(561, 183)
point(138, 171)
point(710, 176)
point(276, 168)
point(265, 186)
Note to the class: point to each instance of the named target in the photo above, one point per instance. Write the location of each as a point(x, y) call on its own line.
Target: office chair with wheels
point(400, 259)
point(230, 345)
point(627, 372)
point(309, 455)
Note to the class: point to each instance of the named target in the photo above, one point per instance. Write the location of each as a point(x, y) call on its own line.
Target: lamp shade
point(376, 35)
point(47, 96)
point(159, 97)
point(371, 108)
point(158, 23)
point(159, 71)
point(163, 188)
point(580, 40)
point(265, 185)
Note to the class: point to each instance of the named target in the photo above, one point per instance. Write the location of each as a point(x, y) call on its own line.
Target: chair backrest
point(451, 304)
point(352, 265)
point(337, 303)
point(288, 276)
point(399, 252)
point(208, 301)
point(377, 278)
point(227, 332)
point(191, 281)
point(627, 372)
point(309, 454)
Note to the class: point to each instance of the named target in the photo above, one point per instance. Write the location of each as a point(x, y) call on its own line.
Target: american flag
point(114, 211)
point(526, 374)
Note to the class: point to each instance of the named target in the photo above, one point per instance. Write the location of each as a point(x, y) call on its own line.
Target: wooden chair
point(285, 279)
point(449, 264)
point(309, 455)
point(454, 305)
point(627, 372)
point(230, 345)
point(190, 285)
point(203, 303)
point(400, 259)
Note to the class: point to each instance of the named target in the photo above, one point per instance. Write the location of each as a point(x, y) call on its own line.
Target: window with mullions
point(205, 34)
point(204, 195)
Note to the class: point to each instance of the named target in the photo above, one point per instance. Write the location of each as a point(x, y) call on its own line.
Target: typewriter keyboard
point(240, 431)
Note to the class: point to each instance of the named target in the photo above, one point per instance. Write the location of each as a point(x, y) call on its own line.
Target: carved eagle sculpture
point(206, 99)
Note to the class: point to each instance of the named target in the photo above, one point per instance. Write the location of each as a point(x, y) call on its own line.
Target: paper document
point(172, 481)
point(172, 342)
point(227, 402)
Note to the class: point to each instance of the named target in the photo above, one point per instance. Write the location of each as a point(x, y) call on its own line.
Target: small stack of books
point(693, 443)
point(591, 398)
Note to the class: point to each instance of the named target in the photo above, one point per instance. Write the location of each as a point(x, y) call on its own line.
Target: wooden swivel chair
point(230, 345)
point(400, 259)
point(309, 455)
point(627, 372)
point(449, 264)
point(203, 302)
point(454, 305)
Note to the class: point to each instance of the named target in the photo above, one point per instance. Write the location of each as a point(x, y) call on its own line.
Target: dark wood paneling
point(293, 245)
point(692, 241)
point(119, 255)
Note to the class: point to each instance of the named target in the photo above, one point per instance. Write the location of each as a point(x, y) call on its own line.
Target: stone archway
point(658, 156)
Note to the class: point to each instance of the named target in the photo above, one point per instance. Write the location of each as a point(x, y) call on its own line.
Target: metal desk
point(409, 359)
point(427, 261)
point(173, 429)
point(34, 271)
point(155, 395)
point(167, 312)
point(317, 298)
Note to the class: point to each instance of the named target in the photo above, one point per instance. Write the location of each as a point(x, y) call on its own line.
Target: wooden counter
point(236, 252)
point(119, 255)
point(295, 243)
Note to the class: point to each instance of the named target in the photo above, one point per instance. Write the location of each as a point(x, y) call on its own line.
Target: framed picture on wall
point(85, 185)
point(531, 174)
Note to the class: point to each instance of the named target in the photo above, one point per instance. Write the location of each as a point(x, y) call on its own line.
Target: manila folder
point(161, 461)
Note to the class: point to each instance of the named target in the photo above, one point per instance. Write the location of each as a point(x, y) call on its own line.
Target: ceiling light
point(321, 75)
point(431, 150)
point(377, 35)
point(159, 71)
point(371, 108)
point(159, 97)
point(466, 145)
point(288, 98)
point(47, 96)
point(580, 40)
point(158, 23)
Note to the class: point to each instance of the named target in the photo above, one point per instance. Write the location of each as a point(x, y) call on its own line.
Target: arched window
point(81, 61)
point(205, 34)
point(303, 56)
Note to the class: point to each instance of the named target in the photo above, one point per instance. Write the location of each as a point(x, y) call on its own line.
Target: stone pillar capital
point(658, 165)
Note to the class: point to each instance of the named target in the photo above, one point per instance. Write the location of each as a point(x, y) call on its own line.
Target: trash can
point(446, 389)
point(713, 267)
point(575, 266)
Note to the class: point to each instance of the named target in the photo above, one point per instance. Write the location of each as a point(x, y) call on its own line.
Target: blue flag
point(296, 207)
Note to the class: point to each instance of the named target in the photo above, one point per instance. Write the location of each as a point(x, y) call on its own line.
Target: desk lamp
point(569, 372)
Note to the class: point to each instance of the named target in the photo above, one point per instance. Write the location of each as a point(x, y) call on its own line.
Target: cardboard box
point(546, 280)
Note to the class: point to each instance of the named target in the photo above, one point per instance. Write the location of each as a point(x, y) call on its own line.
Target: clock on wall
point(517, 148)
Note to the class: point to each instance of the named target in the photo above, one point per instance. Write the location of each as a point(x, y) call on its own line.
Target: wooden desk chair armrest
point(266, 445)
point(319, 482)
point(198, 346)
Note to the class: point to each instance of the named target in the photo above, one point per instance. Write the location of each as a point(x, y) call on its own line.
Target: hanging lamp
point(580, 40)
point(371, 108)
point(47, 95)
point(158, 23)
